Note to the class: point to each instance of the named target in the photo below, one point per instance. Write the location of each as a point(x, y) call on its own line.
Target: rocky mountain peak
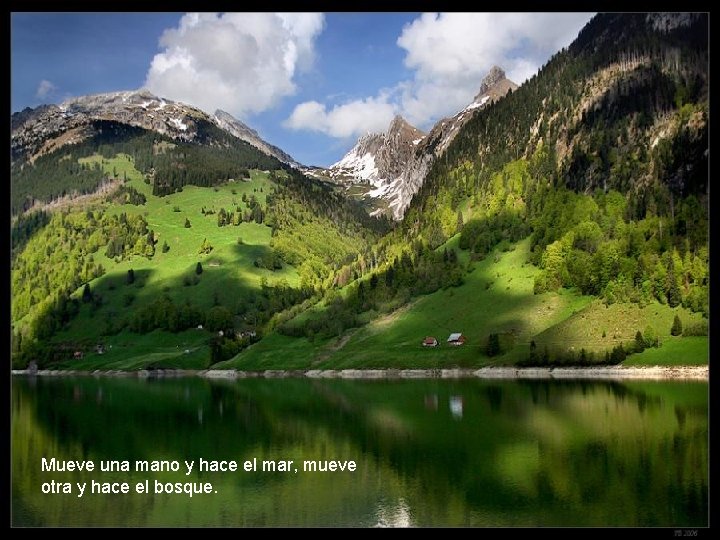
point(225, 117)
point(399, 127)
point(378, 158)
point(494, 76)
point(398, 123)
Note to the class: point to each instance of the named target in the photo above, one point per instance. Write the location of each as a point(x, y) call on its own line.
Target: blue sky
point(308, 83)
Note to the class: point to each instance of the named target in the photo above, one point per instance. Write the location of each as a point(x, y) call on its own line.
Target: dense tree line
point(654, 75)
point(571, 357)
point(214, 157)
point(417, 271)
point(253, 212)
point(59, 173)
point(316, 229)
point(51, 177)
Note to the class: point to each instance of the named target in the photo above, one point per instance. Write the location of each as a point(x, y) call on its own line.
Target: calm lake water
point(428, 452)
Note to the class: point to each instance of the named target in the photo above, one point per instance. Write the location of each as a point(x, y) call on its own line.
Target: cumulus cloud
point(349, 119)
point(239, 62)
point(45, 89)
point(449, 54)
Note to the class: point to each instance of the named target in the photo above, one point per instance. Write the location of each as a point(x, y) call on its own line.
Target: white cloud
point(350, 119)
point(239, 62)
point(45, 88)
point(449, 55)
point(451, 52)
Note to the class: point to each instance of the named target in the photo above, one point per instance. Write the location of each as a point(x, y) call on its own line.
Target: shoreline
point(558, 373)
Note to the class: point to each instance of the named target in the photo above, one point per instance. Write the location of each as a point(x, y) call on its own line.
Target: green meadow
point(496, 297)
point(229, 276)
point(675, 351)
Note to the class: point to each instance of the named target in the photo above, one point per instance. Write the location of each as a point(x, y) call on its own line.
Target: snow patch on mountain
point(179, 124)
point(363, 167)
point(395, 163)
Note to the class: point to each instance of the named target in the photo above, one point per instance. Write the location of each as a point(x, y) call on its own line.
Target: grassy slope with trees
point(139, 264)
point(588, 182)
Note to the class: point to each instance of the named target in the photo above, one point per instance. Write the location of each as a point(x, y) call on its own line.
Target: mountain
point(48, 127)
point(493, 87)
point(566, 223)
point(119, 192)
point(395, 163)
point(601, 158)
point(378, 160)
point(624, 107)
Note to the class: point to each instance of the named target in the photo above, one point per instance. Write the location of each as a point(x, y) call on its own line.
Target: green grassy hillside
point(121, 265)
point(230, 274)
point(565, 217)
point(496, 297)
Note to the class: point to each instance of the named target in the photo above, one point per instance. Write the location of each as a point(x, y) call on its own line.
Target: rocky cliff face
point(48, 127)
point(245, 133)
point(396, 162)
point(379, 159)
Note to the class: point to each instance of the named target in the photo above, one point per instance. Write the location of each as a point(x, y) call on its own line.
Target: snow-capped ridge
point(377, 158)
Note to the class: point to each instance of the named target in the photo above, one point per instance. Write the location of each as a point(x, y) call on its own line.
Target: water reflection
point(393, 515)
point(431, 402)
point(525, 453)
point(456, 406)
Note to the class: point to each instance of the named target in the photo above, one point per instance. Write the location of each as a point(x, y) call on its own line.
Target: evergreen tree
point(639, 341)
point(545, 359)
point(87, 293)
point(165, 247)
point(187, 223)
point(198, 269)
point(130, 277)
point(533, 358)
point(493, 345)
point(205, 247)
point(677, 328)
point(390, 276)
point(674, 296)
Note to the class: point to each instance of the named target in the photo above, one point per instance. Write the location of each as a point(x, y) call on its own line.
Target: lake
point(428, 452)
